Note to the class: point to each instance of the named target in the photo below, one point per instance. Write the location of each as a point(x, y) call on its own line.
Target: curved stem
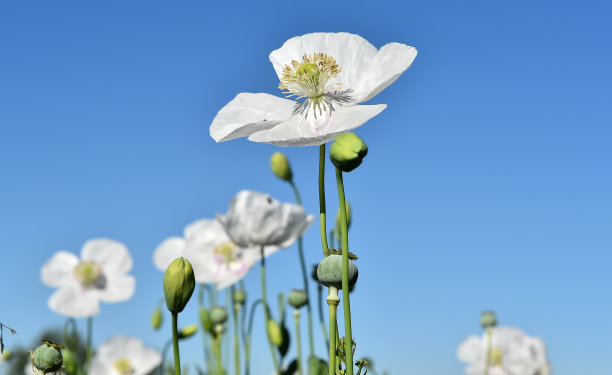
point(177, 357)
point(267, 311)
point(348, 343)
point(164, 354)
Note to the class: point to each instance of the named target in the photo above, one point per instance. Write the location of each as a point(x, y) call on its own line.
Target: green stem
point(218, 336)
point(177, 357)
point(267, 311)
point(247, 338)
point(89, 350)
point(332, 301)
point(304, 277)
point(205, 338)
point(348, 343)
point(488, 359)
point(296, 314)
point(164, 354)
point(66, 336)
point(322, 199)
point(236, 340)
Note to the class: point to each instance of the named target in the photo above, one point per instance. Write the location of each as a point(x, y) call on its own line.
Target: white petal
point(352, 52)
point(167, 251)
point(471, 350)
point(385, 67)
point(207, 231)
point(248, 113)
point(59, 270)
point(143, 359)
point(118, 288)
point(111, 255)
point(299, 131)
point(74, 302)
point(255, 219)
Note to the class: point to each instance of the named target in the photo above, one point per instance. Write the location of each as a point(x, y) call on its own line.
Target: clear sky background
point(487, 186)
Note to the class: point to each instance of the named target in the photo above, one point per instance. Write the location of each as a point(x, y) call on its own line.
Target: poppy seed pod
point(179, 283)
point(488, 319)
point(347, 151)
point(218, 315)
point(329, 271)
point(240, 296)
point(298, 298)
point(47, 358)
point(280, 166)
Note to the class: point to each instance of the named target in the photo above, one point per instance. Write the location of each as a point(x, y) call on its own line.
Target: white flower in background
point(512, 353)
point(100, 275)
point(215, 258)
point(332, 73)
point(123, 355)
point(255, 219)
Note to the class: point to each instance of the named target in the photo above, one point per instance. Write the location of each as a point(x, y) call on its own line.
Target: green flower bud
point(240, 296)
point(488, 319)
point(297, 298)
point(347, 151)
point(6, 355)
point(280, 166)
point(157, 318)
point(348, 216)
point(317, 366)
point(218, 315)
point(279, 335)
point(179, 283)
point(329, 271)
point(71, 364)
point(205, 320)
point(47, 358)
point(188, 331)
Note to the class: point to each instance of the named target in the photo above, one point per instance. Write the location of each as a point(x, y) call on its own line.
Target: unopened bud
point(157, 318)
point(205, 320)
point(70, 363)
point(280, 166)
point(347, 151)
point(179, 283)
point(240, 296)
point(188, 331)
point(279, 335)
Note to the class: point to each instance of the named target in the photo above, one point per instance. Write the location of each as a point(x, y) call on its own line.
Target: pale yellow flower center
point(88, 273)
point(309, 77)
point(496, 358)
point(124, 366)
point(226, 251)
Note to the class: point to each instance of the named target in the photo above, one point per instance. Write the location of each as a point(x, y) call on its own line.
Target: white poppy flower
point(123, 355)
point(512, 353)
point(332, 73)
point(100, 275)
point(255, 219)
point(215, 258)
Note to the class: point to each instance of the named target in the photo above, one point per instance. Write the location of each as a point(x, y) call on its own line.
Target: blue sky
point(487, 184)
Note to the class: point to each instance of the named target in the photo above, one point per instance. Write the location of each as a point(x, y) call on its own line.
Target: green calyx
point(179, 283)
point(347, 151)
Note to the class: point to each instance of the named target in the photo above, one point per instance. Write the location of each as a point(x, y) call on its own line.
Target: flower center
point(496, 357)
point(89, 274)
point(309, 77)
point(124, 366)
point(226, 252)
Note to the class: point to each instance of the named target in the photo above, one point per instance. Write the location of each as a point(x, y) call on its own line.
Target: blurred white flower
point(123, 355)
point(255, 219)
point(332, 72)
point(512, 353)
point(100, 275)
point(214, 256)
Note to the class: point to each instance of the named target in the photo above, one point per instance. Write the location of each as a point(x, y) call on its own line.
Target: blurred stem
point(247, 338)
point(89, 349)
point(164, 354)
point(217, 347)
point(177, 357)
point(332, 301)
point(304, 276)
point(205, 334)
point(348, 342)
point(69, 323)
point(322, 199)
point(267, 311)
point(236, 339)
point(296, 314)
point(488, 359)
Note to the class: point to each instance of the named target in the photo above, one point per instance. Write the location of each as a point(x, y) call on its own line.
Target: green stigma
point(226, 251)
point(124, 366)
point(496, 357)
point(88, 273)
point(310, 69)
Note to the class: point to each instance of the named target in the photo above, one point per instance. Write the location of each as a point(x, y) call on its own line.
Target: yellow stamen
point(308, 78)
point(124, 366)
